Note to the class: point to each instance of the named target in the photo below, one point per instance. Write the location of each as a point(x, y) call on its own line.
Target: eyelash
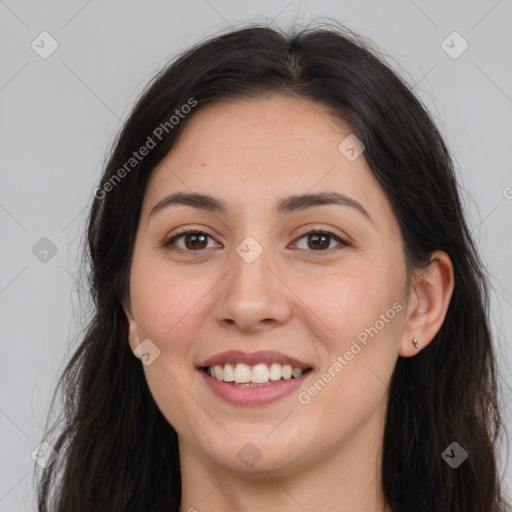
point(180, 234)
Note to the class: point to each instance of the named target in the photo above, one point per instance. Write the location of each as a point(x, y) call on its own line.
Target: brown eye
point(189, 241)
point(320, 241)
point(195, 241)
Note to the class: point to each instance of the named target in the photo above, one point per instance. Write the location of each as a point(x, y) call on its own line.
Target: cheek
point(349, 300)
point(167, 301)
point(169, 307)
point(361, 307)
point(366, 317)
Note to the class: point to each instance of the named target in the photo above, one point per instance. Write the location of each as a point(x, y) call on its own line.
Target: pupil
point(195, 245)
point(321, 236)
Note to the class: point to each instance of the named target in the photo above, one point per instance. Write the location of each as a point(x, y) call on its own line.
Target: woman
point(278, 238)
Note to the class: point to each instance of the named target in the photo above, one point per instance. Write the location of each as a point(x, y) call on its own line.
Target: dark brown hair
point(117, 452)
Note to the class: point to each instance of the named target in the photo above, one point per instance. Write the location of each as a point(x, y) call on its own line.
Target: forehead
point(247, 128)
point(247, 150)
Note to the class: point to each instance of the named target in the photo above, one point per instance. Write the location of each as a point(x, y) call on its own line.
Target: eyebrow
point(285, 205)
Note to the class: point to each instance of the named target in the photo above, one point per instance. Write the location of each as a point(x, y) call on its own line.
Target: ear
point(429, 298)
point(133, 333)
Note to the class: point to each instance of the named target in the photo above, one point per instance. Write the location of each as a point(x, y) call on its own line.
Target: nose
point(252, 296)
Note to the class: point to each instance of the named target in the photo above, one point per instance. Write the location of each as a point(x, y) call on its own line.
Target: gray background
point(59, 115)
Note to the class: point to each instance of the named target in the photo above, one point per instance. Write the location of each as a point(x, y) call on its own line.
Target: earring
point(416, 344)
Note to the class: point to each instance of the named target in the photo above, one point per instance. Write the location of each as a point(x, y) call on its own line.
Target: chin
point(259, 454)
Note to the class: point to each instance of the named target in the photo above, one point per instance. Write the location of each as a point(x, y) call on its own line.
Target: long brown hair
point(117, 452)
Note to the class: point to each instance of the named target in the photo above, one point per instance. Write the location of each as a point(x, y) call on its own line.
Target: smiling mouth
point(259, 375)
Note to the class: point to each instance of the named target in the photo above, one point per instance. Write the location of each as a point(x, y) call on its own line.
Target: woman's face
point(251, 279)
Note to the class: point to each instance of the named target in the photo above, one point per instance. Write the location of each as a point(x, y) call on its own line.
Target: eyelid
point(180, 232)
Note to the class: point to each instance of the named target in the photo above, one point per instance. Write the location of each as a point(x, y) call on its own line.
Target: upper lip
point(252, 358)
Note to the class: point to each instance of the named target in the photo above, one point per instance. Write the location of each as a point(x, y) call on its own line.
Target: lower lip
point(258, 395)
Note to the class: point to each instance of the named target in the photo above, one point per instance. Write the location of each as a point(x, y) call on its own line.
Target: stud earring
point(416, 344)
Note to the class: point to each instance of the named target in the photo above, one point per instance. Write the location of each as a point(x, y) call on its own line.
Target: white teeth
point(242, 373)
point(259, 374)
point(287, 372)
point(275, 371)
point(218, 372)
point(229, 373)
point(296, 372)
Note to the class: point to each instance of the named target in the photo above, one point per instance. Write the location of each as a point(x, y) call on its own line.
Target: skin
point(298, 297)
